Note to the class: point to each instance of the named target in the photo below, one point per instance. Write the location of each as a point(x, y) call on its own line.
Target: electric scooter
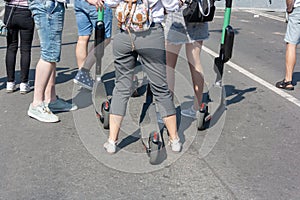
point(100, 100)
point(150, 132)
point(207, 112)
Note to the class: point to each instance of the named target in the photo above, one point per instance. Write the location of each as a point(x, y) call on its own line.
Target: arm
point(289, 6)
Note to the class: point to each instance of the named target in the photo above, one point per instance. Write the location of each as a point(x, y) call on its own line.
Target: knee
point(83, 39)
point(12, 47)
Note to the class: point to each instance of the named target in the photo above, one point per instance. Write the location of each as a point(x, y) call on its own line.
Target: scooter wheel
point(201, 121)
point(105, 114)
point(201, 114)
point(154, 146)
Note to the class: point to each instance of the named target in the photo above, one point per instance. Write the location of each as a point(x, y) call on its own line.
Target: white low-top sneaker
point(10, 87)
point(24, 88)
point(42, 113)
point(175, 145)
point(110, 146)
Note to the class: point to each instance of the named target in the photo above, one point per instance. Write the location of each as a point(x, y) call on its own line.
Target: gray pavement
point(252, 152)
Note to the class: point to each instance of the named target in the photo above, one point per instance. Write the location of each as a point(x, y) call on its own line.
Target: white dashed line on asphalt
point(266, 15)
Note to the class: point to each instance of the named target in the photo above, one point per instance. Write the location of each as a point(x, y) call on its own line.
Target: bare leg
point(193, 51)
point(115, 122)
point(50, 93)
point(170, 122)
point(172, 52)
point(290, 61)
point(84, 55)
point(43, 73)
point(82, 50)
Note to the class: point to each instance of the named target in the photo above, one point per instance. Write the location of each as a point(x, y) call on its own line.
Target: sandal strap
point(287, 82)
point(284, 84)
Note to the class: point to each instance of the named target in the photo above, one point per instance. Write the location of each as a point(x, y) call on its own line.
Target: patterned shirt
point(157, 7)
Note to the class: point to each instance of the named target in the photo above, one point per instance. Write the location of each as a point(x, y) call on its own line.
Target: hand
point(97, 3)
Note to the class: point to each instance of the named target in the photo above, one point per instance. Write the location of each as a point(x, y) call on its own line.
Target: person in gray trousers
point(150, 46)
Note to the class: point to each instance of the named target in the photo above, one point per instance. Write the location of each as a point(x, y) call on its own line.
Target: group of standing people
point(158, 47)
point(48, 19)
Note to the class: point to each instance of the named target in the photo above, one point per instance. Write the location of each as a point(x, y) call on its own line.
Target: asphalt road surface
point(254, 153)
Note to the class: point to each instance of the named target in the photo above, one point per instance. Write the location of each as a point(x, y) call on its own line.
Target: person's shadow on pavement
point(64, 74)
point(296, 78)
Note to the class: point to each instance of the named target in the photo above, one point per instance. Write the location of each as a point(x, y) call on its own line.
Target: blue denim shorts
point(86, 18)
point(178, 32)
point(49, 21)
point(292, 34)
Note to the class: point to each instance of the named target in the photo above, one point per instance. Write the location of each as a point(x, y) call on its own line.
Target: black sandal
point(287, 85)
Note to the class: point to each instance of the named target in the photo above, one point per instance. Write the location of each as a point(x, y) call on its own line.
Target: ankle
point(174, 138)
point(287, 80)
point(112, 141)
point(36, 103)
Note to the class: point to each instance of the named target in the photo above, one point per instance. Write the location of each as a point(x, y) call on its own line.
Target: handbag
point(134, 15)
point(3, 26)
point(3, 29)
point(199, 11)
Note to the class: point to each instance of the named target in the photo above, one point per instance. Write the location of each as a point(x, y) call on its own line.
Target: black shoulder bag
point(199, 11)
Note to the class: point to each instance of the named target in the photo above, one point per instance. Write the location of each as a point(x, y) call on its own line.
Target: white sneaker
point(10, 87)
point(175, 145)
point(110, 146)
point(190, 112)
point(24, 88)
point(42, 113)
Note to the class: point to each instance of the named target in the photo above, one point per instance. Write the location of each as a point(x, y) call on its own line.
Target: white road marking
point(257, 79)
point(255, 12)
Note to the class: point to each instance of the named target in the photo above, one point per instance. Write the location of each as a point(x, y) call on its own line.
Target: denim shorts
point(86, 18)
point(292, 34)
point(49, 21)
point(179, 32)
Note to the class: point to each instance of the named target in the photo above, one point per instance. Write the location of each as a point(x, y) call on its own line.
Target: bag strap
point(11, 12)
point(201, 9)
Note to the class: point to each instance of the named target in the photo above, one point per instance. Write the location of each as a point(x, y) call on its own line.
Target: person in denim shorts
point(192, 35)
point(86, 18)
point(292, 39)
point(49, 21)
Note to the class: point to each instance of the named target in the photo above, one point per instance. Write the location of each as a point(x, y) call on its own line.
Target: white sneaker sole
point(64, 110)
point(24, 92)
point(40, 119)
point(82, 85)
point(10, 91)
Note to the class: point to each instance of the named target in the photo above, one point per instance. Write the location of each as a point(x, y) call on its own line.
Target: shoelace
point(46, 109)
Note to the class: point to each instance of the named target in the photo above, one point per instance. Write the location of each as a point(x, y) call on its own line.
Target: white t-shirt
point(297, 3)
